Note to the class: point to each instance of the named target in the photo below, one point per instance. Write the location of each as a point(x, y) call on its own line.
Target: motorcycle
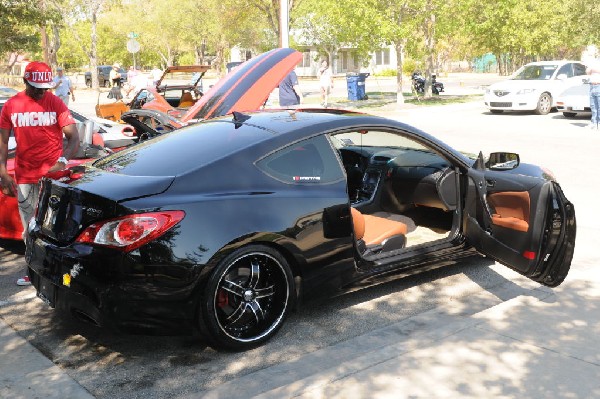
point(418, 84)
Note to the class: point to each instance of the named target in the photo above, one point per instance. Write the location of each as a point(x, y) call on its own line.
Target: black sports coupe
point(224, 225)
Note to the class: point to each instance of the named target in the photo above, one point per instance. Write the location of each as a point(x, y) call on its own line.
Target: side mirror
point(562, 76)
point(503, 161)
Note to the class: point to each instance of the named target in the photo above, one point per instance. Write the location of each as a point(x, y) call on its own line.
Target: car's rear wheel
point(569, 114)
point(496, 111)
point(88, 82)
point(544, 104)
point(246, 298)
point(107, 83)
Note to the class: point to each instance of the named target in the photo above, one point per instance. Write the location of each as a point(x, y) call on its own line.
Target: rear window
point(183, 150)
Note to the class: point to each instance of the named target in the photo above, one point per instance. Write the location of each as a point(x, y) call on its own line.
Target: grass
point(376, 99)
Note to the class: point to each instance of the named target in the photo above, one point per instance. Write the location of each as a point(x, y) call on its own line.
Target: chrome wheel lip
point(255, 294)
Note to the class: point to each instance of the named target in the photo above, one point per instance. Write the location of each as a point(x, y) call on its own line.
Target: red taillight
point(132, 231)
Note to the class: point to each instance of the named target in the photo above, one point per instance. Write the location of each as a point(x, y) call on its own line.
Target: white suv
point(534, 87)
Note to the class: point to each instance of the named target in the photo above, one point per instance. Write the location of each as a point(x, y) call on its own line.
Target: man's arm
point(7, 183)
point(71, 147)
point(297, 90)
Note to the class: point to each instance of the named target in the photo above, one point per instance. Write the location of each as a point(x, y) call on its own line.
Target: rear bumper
point(88, 283)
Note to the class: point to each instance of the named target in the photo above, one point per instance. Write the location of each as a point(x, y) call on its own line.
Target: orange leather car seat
point(374, 230)
point(511, 209)
point(186, 100)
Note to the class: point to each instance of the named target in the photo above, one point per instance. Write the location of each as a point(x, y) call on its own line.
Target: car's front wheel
point(496, 111)
point(569, 114)
point(246, 298)
point(544, 104)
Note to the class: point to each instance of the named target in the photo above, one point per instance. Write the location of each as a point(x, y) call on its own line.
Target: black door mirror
point(503, 161)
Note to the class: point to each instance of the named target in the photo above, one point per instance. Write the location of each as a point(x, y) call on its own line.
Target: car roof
point(560, 62)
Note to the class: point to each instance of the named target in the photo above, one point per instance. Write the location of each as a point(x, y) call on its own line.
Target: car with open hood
point(174, 92)
point(534, 87)
point(226, 225)
point(245, 88)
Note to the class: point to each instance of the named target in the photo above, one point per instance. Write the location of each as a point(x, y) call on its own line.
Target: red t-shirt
point(37, 126)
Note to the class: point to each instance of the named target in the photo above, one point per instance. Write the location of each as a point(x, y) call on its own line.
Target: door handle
point(490, 182)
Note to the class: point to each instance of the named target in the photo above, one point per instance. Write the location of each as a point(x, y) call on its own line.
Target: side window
point(566, 70)
point(310, 161)
point(578, 69)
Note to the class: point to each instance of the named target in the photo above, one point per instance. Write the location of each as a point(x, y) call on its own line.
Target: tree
point(18, 22)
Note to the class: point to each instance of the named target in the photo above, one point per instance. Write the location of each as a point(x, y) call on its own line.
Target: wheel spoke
point(232, 287)
point(259, 315)
point(264, 292)
point(254, 273)
point(237, 314)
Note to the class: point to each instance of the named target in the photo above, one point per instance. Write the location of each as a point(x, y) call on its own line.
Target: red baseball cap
point(39, 74)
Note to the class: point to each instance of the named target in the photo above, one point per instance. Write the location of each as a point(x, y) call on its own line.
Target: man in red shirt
point(38, 119)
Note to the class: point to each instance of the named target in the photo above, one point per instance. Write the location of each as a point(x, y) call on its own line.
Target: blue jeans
point(595, 103)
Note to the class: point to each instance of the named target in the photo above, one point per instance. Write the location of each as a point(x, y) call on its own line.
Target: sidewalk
point(26, 373)
point(542, 344)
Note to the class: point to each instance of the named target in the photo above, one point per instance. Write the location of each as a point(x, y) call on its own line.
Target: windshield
point(535, 72)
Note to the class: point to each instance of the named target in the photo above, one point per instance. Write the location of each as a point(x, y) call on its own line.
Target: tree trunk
point(430, 44)
point(399, 73)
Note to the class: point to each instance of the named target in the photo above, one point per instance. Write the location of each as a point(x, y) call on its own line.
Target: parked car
point(6, 93)
point(225, 225)
point(102, 137)
point(534, 87)
point(104, 76)
point(245, 88)
point(574, 100)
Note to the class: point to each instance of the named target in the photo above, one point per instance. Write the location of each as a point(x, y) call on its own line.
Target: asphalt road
point(113, 365)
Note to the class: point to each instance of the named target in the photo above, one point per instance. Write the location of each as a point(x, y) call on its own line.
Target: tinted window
point(307, 162)
point(578, 69)
point(565, 69)
point(535, 72)
point(183, 150)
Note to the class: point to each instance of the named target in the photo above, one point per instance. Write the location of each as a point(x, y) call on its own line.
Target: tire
point(544, 105)
point(496, 111)
point(88, 82)
point(247, 298)
point(107, 83)
point(569, 114)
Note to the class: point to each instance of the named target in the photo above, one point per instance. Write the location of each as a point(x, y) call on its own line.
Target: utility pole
point(284, 24)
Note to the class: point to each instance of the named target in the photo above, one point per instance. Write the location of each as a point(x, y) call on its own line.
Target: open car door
point(523, 222)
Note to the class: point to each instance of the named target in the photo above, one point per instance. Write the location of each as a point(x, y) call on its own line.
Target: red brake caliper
point(222, 298)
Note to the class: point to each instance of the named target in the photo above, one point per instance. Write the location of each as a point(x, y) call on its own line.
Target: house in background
point(345, 60)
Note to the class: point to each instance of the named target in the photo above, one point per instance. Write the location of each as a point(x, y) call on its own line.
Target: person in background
point(38, 120)
point(63, 87)
point(289, 91)
point(593, 69)
point(131, 74)
point(156, 75)
point(325, 82)
point(115, 80)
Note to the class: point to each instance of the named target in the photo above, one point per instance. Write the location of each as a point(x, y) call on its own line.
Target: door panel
point(523, 222)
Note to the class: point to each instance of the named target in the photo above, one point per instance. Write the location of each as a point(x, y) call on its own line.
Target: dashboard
point(399, 178)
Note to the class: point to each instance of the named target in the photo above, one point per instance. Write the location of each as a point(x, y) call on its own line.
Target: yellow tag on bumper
point(67, 279)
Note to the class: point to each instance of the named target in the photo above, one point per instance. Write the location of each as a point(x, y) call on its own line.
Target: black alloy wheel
point(544, 104)
point(247, 298)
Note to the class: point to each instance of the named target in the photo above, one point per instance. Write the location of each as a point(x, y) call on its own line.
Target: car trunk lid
point(89, 195)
